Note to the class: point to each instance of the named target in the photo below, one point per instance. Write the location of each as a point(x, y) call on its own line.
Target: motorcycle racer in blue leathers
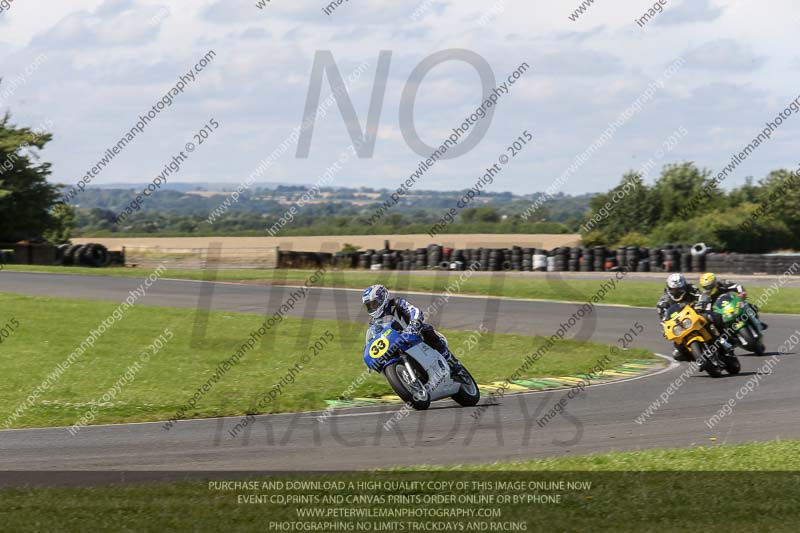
point(380, 305)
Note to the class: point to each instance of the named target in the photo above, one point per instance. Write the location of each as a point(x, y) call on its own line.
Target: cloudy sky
point(89, 68)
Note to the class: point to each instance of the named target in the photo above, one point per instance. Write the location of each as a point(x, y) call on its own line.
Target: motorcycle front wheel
point(732, 365)
point(698, 352)
point(413, 392)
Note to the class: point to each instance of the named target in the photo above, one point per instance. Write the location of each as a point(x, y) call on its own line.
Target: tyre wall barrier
point(668, 258)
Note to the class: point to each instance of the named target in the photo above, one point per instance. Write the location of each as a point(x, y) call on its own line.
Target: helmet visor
point(372, 306)
point(677, 292)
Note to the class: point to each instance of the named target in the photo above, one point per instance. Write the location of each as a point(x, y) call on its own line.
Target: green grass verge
point(49, 329)
point(682, 500)
point(768, 456)
point(629, 292)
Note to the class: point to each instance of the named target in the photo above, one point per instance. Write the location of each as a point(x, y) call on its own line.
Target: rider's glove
point(414, 327)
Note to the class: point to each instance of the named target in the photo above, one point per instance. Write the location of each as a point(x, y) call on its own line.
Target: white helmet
point(375, 299)
point(677, 286)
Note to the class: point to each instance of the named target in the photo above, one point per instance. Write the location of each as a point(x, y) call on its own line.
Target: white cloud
point(723, 55)
point(109, 60)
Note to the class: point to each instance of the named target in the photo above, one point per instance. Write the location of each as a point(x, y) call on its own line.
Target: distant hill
point(185, 209)
point(186, 186)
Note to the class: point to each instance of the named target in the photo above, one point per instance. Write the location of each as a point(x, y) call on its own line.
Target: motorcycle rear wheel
point(469, 394)
point(397, 376)
point(754, 345)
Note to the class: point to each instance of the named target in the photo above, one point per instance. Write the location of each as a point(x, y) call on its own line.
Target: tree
point(679, 192)
point(30, 207)
point(626, 208)
point(780, 195)
point(63, 216)
point(480, 214)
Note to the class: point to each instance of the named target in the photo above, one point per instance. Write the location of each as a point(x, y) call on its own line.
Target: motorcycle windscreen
point(674, 309)
point(729, 306)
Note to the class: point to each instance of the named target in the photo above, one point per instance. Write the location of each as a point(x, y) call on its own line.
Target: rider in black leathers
point(679, 290)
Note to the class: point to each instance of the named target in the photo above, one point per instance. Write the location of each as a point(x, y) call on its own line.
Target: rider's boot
point(455, 366)
point(726, 346)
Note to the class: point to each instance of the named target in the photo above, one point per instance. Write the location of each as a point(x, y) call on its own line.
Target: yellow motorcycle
point(691, 331)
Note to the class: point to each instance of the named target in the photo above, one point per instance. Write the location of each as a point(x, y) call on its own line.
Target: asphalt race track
point(601, 420)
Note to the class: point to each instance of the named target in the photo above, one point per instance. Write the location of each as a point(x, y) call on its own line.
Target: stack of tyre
point(558, 260)
point(497, 260)
point(668, 258)
point(515, 258)
point(421, 258)
point(459, 259)
point(527, 259)
point(539, 260)
point(346, 260)
point(671, 258)
point(655, 258)
point(364, 258)
point(375, 260)
point(698, 253)
point(574, 261)
point(434, 253)
point(88, 255)
point(598, 260)
point(584, 259)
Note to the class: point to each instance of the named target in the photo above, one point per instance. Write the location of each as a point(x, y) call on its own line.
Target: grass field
point(770, 456)
point(716, 488)
point(335, 242)
point(637, 293)
point(49, 329)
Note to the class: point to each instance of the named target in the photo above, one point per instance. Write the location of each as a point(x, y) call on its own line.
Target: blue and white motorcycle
point(418, 373)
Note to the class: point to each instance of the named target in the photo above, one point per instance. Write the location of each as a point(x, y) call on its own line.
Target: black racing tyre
point(762, 350)
point(82, 256)
point(95, 255)
point(754, 345)
point(397, 376)
point(469, 394)
point(699, 249)
point(733, 365)
point(697, 351)
point(72, 255)
point(60, 251)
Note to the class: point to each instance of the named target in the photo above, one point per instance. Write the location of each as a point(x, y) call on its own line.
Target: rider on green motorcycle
point(713, 287)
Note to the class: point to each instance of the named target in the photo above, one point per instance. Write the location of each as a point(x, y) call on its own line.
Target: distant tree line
point(682, 205)
point(753, 218)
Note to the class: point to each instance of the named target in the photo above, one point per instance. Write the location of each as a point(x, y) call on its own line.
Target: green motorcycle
point(741, 323)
